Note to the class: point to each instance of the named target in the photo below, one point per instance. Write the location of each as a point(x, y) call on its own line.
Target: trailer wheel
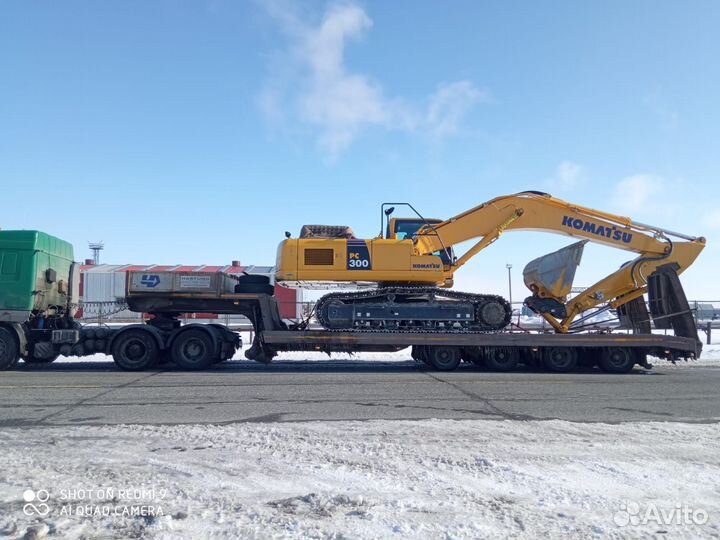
point(560, 359)
point(444, 358)
point(9, 355)
point(135, 350)
point(193, 349)
point(617, 360)
point(502, 358)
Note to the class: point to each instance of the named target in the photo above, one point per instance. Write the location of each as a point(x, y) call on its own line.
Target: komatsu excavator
point(411, 268)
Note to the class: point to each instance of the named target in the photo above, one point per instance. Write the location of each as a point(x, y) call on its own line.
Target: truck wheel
point(135, 350)
point(502, 358)
point(617, 360)
point(193, 349)
point(9, 355)
point(560, 359)
point(444, 358)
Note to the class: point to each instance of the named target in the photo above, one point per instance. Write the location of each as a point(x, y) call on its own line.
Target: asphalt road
point(98, 394)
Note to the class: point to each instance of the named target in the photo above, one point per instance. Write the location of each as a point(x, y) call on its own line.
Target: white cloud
point(449, 105)
point(635, 194)
point(568, 175)
point(339, 104)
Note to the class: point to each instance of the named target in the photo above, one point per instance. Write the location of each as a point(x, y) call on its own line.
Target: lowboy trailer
point(39, 290)
point(442, 350)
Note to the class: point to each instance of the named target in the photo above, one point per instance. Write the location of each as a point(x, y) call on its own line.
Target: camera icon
point(628, 514)
point(35, 502)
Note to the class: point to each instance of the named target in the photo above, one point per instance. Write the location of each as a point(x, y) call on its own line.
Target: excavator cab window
point(405, 228)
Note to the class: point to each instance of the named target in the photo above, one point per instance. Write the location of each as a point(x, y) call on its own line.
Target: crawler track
point(413, 309)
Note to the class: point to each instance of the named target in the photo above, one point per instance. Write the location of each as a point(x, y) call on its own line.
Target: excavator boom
point(534, 211)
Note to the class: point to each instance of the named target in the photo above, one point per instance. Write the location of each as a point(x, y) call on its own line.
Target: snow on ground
point(379, 479)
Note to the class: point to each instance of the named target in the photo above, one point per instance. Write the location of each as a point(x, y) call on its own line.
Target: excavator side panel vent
point(319, 257)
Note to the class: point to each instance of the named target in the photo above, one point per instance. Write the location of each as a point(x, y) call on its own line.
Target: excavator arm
point(534, 211)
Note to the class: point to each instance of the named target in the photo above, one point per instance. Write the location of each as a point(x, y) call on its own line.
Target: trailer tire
point(135, 350)
point(193, 349)
point(501, 358)
point(444, 358)
point(9, 354)
point(560, 359)
point(617, 360)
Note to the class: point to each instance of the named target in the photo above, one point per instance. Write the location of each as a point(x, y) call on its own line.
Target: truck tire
point(444, 358)
point(617, 359)
point(502, 358)
point(135, 350)
point(9, 354)
point(193, 349)
point(560, 359)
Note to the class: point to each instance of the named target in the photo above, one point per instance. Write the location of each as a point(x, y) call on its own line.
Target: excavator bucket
point(552, 275)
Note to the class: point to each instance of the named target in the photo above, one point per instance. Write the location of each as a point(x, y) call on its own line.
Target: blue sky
point(199, 132)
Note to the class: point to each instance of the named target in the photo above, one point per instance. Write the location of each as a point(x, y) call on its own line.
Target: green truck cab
point(39, 295)
point(39, 291)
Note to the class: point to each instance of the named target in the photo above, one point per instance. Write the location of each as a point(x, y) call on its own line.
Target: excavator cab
point(405, 229)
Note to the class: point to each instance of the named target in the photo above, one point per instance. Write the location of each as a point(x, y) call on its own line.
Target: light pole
point(509, 268)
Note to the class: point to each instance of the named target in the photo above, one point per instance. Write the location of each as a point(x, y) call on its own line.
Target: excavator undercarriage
point(425, 309)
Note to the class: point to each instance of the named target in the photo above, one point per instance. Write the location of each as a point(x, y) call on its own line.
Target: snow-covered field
point(380, 479)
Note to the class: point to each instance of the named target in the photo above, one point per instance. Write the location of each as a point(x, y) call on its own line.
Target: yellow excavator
point(411, 266)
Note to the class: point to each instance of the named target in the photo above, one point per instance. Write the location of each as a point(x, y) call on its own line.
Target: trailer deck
point(330, 340)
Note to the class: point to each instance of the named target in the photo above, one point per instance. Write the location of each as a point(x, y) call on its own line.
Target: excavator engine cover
point(552, 275)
